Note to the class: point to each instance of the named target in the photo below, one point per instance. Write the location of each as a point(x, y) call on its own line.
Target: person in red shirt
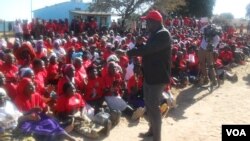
point(68, 71)
point(52, 70)
point(25, 54)
point(124, 60)
point(75, 44)
point(135, 94)
point(70, 102)
point(48, 43)
point(40, 75)
point(193, 62)
point(108, 51)
point(86, 60)
point(50, 27)
point(113, 86)
point(113, 80)
point(81, 78)
point(174, 55)
point(34, 117)
point(168, 22)
point(10, 71)
point(93, 26)
point(26, 31)
point(94, 89)
point(27, 98)
point(40, 50)
point(226, 55)
point(222, 72)
point(180, 69)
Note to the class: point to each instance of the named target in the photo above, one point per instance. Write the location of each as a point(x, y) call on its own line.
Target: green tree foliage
point(127, 8)
point(167, 6)
point(198, 8)
point(223, 19)
point(228, 16)
point(123, 8)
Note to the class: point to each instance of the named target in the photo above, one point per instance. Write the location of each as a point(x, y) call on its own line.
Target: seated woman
point(68, 71)
point(8, 115)
point(69, 103)
point(113, 93)
point(69, 110)
point(34, 119)
point(53, 70)
point(94, 89)
point(135, 95)
point(223, 72)
point(9, 69)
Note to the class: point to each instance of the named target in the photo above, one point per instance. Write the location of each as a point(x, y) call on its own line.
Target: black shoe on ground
point(108, 127)
point(147, 134)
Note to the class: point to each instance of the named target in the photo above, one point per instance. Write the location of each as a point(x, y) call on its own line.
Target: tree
point(126, 8)
point(223, 19)
point(198, 8)
point(123, 8)
point(167, 6)
point(228, 16)
point(248, 11)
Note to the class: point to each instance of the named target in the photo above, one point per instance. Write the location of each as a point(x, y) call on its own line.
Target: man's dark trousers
point(152, 98)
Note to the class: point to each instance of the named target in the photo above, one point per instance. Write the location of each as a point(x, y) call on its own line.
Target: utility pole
point(31, 8)
point(4, 33)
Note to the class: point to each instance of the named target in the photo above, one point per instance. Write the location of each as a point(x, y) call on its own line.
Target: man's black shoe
point(147, 134)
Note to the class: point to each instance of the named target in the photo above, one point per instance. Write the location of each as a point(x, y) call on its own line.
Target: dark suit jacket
point(156, 57)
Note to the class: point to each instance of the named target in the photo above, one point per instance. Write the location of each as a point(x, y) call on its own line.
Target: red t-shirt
point(60, 84)
point(40, 81)
point(11, 90)
point(25, 104)
point(80, 78)
point(113, 83)
point(94, 89)
point(124, 61)
point(9, 72)
point(218, 63)
point(69, 104)
point(87, 63)
point(133, 82)
point(226, 56)
point(52, 71)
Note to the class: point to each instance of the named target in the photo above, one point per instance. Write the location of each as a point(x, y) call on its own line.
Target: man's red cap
point(153, 15)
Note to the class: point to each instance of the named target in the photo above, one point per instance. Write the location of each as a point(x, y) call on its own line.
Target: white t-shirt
point(129, 71)
point(9, 115)
point(204, 43)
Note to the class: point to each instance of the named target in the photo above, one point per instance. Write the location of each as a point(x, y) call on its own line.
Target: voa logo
point(236, 132)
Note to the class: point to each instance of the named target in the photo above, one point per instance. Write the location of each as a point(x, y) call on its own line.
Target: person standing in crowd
point(209, 42)
point(18, 30)
point(156, 64)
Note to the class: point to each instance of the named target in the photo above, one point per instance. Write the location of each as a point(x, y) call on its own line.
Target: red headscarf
point(22, 85)
point(26, 46)
point(25, 103)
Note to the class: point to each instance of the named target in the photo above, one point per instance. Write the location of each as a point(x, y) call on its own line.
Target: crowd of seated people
point(61, 79)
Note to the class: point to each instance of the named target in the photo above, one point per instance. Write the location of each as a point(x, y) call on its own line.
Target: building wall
point(59, 11)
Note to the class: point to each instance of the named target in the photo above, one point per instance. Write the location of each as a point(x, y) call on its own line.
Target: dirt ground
point(198, 115)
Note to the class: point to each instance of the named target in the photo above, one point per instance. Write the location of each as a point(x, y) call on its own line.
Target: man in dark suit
point(156, 63)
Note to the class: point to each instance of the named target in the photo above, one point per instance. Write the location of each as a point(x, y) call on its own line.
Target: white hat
point(3, 92)
point(3, 43)
point(113, 58)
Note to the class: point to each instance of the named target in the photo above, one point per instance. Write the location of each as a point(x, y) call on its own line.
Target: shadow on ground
point(247, 79)
point(186, 99)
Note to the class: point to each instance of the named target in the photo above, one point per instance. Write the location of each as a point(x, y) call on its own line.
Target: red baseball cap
point(153, 15)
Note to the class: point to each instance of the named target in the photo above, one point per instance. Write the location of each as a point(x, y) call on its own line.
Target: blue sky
point(21, 9)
